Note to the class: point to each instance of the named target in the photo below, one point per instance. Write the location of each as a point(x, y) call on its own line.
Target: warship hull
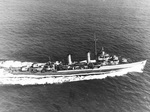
point(26, 78)
point(138, 66)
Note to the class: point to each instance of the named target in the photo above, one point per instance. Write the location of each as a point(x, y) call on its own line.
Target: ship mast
point(95, 46)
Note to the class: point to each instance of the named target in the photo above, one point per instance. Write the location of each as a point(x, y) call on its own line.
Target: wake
point(10, 79)
point(7, 78)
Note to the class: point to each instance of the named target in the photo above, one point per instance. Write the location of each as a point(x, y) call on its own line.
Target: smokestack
point(69, 59)
point(88, 57)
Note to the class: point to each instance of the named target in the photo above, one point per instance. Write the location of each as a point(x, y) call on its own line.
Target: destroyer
point(103, 63)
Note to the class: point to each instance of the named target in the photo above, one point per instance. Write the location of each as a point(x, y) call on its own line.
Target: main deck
point(102, 69)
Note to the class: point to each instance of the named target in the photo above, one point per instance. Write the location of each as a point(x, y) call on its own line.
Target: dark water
point(31, 30)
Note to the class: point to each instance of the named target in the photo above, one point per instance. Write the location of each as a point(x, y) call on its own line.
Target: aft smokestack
point(88, 57)
point(69, 59)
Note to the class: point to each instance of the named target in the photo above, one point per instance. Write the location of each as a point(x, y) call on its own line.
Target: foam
point(11, 79)
point(11, 63)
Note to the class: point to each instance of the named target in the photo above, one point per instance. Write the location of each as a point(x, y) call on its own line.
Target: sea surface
point(33, 30)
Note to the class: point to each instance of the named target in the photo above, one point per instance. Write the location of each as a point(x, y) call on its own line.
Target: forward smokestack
point(69, 59)
point(88, 57)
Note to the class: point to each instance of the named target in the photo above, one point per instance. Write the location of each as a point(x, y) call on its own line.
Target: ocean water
point(32, 30)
